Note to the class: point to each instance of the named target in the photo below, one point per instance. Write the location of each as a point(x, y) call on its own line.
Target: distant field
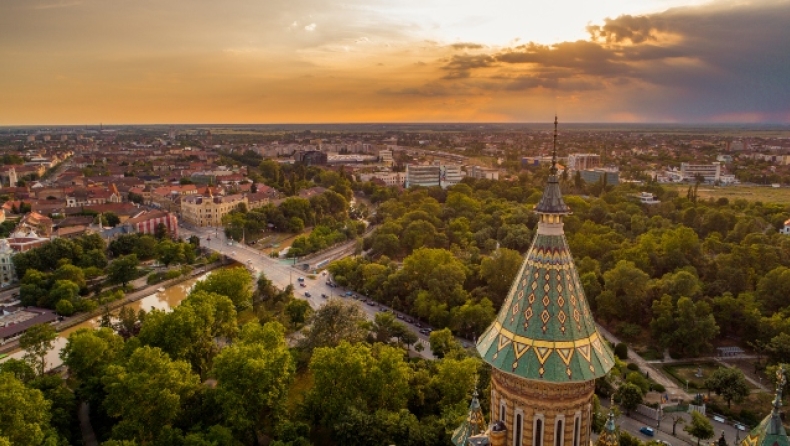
point(749, 193)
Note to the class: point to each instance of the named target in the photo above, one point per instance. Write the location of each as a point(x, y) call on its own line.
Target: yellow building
point(208, 211)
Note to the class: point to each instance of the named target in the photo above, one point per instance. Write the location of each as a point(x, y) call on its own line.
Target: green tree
point(168, 251)
point(729, 383)
point(699, 427)
point(443, 343)
point(147, 392)
point(24, 414)
point(123, 270)
point(333, 323)
point(111, 219)
point(235, 283)
point(696, 327)
point(64, 308)
point(357, 376)
point(629, 397)
point(190, 330)
point(88, 352)
point(253, 381)
point(298, 310)
point(37, 341)
point(498, 271)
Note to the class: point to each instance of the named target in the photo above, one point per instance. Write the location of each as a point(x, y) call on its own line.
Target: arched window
point(537, 439)
point(576, 431)
point(502, 410)
point(518, 432)
point(558, 434)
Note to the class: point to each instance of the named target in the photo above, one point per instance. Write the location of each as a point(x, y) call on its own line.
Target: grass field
point(748, 193)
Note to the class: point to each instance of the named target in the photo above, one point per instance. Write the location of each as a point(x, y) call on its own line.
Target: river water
point(165, 300)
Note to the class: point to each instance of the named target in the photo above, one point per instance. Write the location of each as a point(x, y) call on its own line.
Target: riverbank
point(135, 295)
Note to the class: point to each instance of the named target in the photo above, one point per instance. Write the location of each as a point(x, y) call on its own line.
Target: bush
point(154, 278)
point(64, 307)
point(172, 274)
point(658, 387)
point(748, 417)
point(633, 366)
point(86, 305)
point(621, 351)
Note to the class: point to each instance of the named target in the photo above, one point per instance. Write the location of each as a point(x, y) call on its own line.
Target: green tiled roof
point(544, 330)
point(474, 424)
point(770, 432)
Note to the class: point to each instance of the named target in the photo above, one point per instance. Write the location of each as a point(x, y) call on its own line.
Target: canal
point(165, 300)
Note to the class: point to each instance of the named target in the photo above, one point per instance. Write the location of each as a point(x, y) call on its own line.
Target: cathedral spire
point(552, 202)
point(609, 435)
point(545, 330)
point(554, 150)
point(771, 432)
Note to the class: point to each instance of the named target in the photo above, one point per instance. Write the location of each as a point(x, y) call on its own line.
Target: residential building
point(7, 270)
point(388, 178)
point(385, 157)
point(311, 157)
point(208, 211)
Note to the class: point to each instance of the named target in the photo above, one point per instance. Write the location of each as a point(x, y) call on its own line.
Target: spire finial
point(780, 382)
point(554, 150)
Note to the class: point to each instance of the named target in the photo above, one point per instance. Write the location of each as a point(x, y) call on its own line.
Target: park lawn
point(764, 194)
point(681, 373)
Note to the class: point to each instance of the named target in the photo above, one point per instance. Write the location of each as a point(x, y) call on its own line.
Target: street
point(282, 275)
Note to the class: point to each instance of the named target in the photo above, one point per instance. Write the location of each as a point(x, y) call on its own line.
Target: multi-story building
point(385, 157)
point(583, 161)
point(482, 172)
point(425, 176)
point(595, 175)
point(149, 221)
point(7, 270)
point(388, 178)
point(208, 211)
point(434, 175)
point(709, 172)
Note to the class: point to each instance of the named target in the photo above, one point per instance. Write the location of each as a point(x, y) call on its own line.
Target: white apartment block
point(709, 172)
point(480, 172)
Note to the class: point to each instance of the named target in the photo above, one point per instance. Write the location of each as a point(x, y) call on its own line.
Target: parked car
point(371, 303)
point(301, 284)
point(324, 296)
point(349, 293)
point(665, 443)
point(719, 419)
point(300, 279)
point(307, 294)
point(647, 431)
point(426, 331)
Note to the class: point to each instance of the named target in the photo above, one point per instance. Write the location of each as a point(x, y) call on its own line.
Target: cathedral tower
point(543, 346)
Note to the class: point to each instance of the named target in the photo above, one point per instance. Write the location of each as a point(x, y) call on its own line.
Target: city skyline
point(78, 62)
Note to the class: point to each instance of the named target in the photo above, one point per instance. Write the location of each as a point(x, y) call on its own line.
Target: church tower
point(544, 348)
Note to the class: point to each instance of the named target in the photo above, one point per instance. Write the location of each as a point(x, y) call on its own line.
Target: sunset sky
point(310, 61)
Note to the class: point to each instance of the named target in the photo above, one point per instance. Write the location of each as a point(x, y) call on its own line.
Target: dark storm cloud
point(693, 62)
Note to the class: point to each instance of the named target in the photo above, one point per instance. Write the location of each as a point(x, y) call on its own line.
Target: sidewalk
point(656, 374)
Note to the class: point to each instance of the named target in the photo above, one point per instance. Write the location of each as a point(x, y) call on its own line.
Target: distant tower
point(172, 133)
point(12, 178)
point(544, 347)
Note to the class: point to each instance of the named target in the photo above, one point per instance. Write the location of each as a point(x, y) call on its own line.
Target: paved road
point(281, 274)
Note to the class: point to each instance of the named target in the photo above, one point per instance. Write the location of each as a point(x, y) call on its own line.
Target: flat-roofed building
point(583, 161)
point(709, 172)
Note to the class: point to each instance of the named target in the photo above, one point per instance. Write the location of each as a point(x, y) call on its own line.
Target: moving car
point(648, 431)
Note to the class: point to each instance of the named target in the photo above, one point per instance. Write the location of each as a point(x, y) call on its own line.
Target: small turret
point(771, 432)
